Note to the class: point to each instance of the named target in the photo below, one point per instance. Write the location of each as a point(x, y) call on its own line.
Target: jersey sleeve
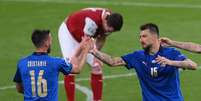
point(130, 60)
point(65, 66)
point(178, 56)
point(90, 27)
point(17, 77)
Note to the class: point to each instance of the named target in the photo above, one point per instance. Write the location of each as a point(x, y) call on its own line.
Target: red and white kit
point(88, 21)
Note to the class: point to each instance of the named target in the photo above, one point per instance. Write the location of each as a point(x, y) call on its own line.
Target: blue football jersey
point(39, 75)
point(158, 83)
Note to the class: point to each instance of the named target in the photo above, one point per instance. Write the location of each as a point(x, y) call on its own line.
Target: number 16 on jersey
point(40, 83)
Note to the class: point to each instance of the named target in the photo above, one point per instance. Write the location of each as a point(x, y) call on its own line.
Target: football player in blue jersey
point(157, 67)
point(37, 74)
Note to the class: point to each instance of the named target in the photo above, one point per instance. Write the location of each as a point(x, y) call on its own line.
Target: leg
point(96, 77)
point(68, 45)
point(69, 84)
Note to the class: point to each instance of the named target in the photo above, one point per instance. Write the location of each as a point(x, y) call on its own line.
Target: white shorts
point(69, 45)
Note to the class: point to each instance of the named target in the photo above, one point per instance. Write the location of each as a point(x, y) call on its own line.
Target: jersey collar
point(40, 53)
point(157, 53)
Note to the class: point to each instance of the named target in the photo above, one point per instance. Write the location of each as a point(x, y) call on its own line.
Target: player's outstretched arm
point(185, 64)
point(107, 59)
point(189, 46)
point(80, 55)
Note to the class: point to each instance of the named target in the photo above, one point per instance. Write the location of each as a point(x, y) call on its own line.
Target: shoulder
point(170, 50)
point(135, 54)
point(174, 54)
point(55, 59)
point(60, 61)
point(22, 60)
point(139, 52)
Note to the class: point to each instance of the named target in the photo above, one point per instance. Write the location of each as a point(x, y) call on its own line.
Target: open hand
point(86, 42)
point(163, 61)
point(166, 42)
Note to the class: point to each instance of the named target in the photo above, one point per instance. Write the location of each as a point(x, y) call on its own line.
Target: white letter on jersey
point(90, 27)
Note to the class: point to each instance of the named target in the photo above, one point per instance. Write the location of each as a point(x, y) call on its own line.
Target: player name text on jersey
point(36, 63)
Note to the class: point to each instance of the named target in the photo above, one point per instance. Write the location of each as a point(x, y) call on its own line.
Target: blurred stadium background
point(177, 19)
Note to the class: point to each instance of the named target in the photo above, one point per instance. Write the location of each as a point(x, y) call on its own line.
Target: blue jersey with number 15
point(158, 82)
point(38, 74)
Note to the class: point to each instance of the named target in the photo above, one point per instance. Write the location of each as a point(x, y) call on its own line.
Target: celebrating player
point(37, 74)
point(156, 66)
point(189, 46)
point(94, 22)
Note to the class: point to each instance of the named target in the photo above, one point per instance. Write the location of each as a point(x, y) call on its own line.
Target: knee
point(97, 68)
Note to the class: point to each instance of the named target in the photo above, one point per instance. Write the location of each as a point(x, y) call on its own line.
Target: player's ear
point(155, 36)
point(46, 43)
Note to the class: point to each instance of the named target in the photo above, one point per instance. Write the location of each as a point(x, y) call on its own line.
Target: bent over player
point(94, 22)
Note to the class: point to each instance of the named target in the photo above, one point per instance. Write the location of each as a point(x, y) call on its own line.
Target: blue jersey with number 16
point(38, 74)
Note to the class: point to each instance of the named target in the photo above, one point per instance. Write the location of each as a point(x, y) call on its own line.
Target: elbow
point(198, 50)
point(111, 64)
point(194, 66)
point(77, 72)
point(191, 65)
point(19, 91)
point(19, 88)
point(76, 69)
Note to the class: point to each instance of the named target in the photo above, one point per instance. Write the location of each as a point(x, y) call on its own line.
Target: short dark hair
point(152, 27)
point(39, 37)
point(115, 20)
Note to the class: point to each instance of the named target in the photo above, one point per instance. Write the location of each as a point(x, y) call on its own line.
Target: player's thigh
point(67, 43)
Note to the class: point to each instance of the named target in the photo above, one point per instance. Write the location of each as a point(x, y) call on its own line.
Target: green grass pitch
point(177, 19)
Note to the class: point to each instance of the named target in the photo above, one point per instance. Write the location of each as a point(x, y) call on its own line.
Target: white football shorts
point(69, 45)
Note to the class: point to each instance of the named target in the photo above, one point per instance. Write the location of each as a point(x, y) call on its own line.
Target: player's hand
point(166, 42)
point(94, 48)
point(163, 61)
point(86, 42)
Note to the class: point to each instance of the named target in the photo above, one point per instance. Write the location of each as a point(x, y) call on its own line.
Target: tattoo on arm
point(107, 59)
point(186, 64)
point(192, 47)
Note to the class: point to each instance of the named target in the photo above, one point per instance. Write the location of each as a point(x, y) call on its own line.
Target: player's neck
point(41, 50)
point(155, 48)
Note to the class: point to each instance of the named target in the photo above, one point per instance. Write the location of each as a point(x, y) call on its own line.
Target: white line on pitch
point(86, 91)
point(79, 79)
point(124, 3)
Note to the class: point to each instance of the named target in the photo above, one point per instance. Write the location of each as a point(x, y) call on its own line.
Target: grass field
point(177, 19)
